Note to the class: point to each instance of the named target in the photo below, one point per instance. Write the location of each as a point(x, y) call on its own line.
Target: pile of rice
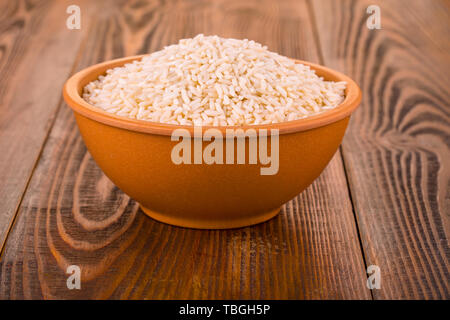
point(210, 80)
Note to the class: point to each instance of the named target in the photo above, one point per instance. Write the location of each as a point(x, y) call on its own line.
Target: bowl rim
point(73, 87)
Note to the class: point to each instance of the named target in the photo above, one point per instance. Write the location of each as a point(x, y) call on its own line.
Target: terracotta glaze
point(136, 156)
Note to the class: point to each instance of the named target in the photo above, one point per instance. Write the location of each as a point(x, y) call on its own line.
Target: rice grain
point(210, 80)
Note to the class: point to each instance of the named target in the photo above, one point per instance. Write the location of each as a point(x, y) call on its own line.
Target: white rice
point(210, 80)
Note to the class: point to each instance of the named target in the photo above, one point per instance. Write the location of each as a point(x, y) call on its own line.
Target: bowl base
point(211, 224)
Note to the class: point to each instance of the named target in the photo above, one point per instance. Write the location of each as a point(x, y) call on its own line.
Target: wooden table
point(383, 200)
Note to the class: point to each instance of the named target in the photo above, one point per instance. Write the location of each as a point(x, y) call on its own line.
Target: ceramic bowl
point(137, 156)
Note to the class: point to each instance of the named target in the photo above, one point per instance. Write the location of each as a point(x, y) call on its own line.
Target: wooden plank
point(397, 149)
point(73, 215)
point(34, 62)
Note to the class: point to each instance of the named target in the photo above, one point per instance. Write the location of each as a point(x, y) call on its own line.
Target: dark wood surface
point(396, 151)
point(383, 200)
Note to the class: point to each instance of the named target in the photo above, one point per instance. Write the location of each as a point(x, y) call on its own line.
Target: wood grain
point(72, 214)
point(37, 53)
point(397, 152)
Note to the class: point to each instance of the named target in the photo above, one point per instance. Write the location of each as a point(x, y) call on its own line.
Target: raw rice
point(210, 80)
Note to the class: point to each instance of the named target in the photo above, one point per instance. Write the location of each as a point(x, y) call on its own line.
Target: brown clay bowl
point(136, 156)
